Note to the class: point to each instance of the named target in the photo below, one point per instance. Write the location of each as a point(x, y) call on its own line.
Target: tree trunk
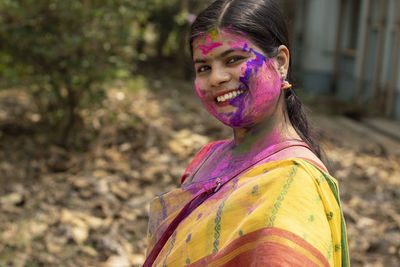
point(141, 42)
point(182, 63)
point(68, 122)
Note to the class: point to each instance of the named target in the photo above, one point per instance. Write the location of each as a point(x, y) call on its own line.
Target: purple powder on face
point(252, 67)
point(259, 93)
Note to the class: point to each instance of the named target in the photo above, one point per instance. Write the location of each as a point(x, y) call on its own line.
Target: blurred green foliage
point(63, 51)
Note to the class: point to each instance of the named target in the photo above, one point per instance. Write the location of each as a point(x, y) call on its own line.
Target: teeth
point(229, 95)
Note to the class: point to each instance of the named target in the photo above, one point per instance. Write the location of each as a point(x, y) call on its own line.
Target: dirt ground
point(63, 207)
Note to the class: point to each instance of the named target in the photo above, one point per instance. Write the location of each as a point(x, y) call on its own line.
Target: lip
point(226, 103)
point(224, 92)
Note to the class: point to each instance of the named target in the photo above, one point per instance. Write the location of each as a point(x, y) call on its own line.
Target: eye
point(203, 68)
point(234, 59)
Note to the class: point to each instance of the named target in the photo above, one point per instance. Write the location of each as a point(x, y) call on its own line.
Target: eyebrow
point(223, 54)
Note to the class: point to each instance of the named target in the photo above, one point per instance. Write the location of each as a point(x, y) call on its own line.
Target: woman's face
point(236, 83)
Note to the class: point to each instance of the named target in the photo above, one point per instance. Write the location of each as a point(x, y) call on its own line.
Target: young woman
point(264, 197)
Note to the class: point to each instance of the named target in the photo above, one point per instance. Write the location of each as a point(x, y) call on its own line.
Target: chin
point(233, 122)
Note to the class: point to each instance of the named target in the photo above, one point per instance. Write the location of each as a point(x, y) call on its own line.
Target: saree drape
point(280, 213)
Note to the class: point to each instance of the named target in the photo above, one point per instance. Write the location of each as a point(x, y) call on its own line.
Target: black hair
point(263, 22)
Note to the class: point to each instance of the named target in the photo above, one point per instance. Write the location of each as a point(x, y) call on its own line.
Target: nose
point(219, 76)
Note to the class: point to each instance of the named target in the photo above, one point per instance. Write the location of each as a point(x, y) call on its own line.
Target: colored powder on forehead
point(242, 45)
point(211, 36)
point(233, 33)
point(210, 44)
point(208, 39)
point(208, 48)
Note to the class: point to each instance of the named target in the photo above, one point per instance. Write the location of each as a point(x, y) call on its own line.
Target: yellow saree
point(281, 213)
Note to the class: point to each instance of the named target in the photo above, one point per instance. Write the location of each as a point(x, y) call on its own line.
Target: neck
point(273, 130)
point(247, 144)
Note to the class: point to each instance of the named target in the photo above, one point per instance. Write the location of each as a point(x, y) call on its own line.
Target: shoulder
point(285, 195)
point(200, 156)
point(304, 152)
point(300, 174)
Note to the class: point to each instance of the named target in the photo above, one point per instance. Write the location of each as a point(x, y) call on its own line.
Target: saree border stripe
point(272, 254)
point(335, 190)
point(267, 238)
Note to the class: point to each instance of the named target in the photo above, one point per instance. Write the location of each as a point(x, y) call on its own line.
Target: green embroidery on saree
point(329, 250)
point(282, 195)
point(321, 179)
point(217, 227)
point(334, 189)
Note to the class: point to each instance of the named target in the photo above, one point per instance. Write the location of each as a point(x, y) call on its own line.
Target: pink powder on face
point(258, 78)
point(210, 45)
point(265, 90)
point(200, 92)
point(208, 39)
point(262, 85)
point(205, 98)
point(235, 45)
point(239, 37)
point(208, 48)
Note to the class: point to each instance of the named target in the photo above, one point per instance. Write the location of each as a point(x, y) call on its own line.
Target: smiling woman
point(235, 82)
point(263, 197)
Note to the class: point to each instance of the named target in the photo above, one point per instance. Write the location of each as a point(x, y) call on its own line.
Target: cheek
point(205, 98)
point(202, 93)
point(242, 70)
point(267, 81)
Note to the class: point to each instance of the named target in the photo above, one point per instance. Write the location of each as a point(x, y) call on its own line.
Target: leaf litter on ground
point(90, 208)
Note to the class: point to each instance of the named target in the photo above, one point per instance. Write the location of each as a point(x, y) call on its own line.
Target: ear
point(282, 61)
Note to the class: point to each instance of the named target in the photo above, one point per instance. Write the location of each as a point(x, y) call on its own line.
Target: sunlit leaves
point(59, 45)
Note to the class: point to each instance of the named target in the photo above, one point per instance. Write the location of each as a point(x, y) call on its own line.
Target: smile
point(228, 96)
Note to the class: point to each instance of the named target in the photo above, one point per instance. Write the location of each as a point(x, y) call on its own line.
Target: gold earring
point(285, 84)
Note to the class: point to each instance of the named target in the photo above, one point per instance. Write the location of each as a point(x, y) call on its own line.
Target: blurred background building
point(349, 49)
